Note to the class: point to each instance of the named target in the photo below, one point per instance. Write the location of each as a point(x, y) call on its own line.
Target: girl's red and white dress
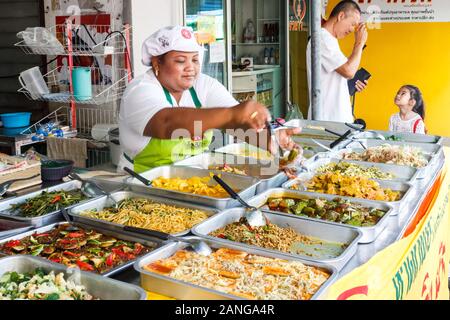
point(414, 125)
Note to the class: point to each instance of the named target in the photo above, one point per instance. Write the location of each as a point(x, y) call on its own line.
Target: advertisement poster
point(386, 11)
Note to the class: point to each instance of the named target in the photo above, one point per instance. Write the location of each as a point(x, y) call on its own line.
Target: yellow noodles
point(146, 214)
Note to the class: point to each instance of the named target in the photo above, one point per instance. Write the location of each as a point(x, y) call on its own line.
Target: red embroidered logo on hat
point(186, 34)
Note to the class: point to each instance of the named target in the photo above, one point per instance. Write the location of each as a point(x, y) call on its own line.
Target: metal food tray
point(427, 148)
point(401, 173)
point(121, 236)
point(324, 231)
point(10, 227)
point(246, 185)
point(406, 137)
point(369, 234)
point(405, 189)
point(421, 172)
point(269, 177)
point(239, 149)
point(337, 127)
point(102, 202)
point(99, 287)
point(43, 220)
point(181, 290)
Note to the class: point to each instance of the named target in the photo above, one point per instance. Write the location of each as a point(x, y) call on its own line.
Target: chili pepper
point(71, 254)
point(12, 243)
point(84, 266)
point(56, 199)
point(119, 252)
point(130, 256)
point(57, 260)
point(222, 236)
point(67, 241)
point(41, 235)
point(110, 260)
point(137, 248)
point(75, 235)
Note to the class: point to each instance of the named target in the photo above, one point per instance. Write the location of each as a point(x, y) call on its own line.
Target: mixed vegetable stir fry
point(336, 210)
point(47, 202)
point(87, 249)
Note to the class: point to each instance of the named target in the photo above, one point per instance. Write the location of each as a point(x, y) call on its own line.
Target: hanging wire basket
point(106, 85)
point(87, 40)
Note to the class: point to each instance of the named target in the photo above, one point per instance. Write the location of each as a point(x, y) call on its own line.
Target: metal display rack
point(74, 41)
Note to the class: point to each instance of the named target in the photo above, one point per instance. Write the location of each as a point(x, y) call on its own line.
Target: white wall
point(147, 16)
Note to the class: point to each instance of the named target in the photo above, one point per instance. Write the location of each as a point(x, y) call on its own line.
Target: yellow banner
point(414, 267)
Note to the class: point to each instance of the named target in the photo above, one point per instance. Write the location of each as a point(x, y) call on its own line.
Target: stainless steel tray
point(401, 173)
point(240, 149)
point(308, 132)
point(421, 172)
point(405, 137)
point(96, 285)
point(100, 203)
point(10, 227)
point(122, 236)
point(246, 185)
point(324, 231)
point(369, 234)
point(406, 190)
point(427, 148)
point(46, 219)
point(185, 291)
point(268, 175)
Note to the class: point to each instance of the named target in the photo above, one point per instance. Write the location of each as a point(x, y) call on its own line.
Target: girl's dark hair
point(415, 93)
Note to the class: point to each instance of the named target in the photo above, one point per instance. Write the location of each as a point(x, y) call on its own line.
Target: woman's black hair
point(415, 94)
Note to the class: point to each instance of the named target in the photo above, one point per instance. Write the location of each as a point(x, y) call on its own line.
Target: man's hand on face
point(360, 86)
point(361, 35)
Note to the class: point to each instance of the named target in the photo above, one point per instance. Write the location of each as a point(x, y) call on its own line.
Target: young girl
point(412, 111)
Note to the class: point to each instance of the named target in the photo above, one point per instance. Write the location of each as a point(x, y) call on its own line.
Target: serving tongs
point(91, 189)
point(254, 216)
point(136, 175)
point(5, 185)
point(199, 246)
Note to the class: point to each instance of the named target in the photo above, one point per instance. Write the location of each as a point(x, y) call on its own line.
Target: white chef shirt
point(396, 124)
point(144, 97)
point(335, 96)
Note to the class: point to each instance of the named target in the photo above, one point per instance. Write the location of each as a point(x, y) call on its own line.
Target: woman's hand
point(250, 115)
point(284, 137)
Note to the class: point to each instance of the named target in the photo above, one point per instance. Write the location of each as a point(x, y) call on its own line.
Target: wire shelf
point(87, 40)
point(106, 87)
point(59, 117)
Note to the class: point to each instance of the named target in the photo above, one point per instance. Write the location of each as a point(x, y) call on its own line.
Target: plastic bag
point(38, 37)
point(293, 112)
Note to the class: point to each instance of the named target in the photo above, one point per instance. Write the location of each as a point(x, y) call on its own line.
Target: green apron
point(160, 152)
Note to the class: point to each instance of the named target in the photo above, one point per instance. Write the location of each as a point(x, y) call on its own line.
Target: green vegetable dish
point(47, 202)
point(354, 170)
point(38, 285)
point(336, 210)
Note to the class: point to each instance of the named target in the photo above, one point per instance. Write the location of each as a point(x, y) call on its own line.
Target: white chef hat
point(175, 38)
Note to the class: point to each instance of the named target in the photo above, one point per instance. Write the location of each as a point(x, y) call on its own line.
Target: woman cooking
point(161, 110)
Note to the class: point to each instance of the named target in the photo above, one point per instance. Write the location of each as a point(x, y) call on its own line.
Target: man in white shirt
point(336, 68)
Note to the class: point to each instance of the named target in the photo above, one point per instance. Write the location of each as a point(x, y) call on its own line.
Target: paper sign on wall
point(217, 52)
point(388, 11)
